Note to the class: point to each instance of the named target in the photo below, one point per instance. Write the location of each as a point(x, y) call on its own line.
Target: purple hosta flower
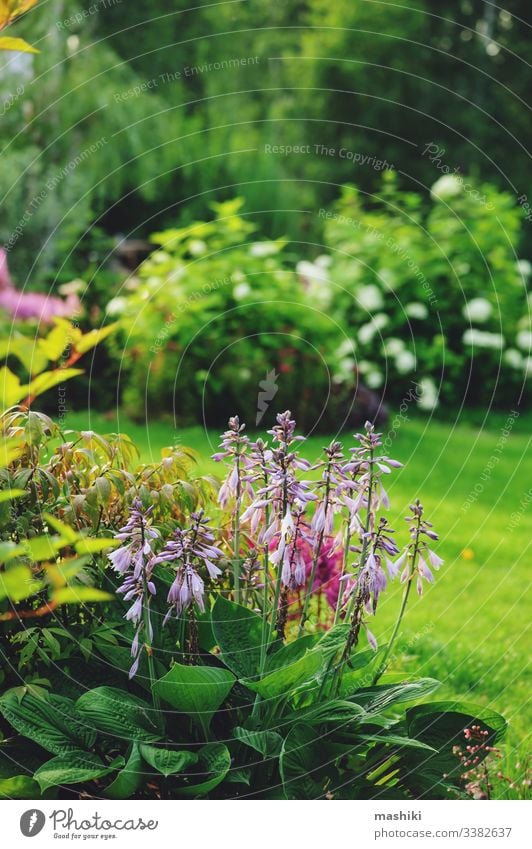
point(289, 554)
point(134, 560)
point(191, 550)
point(331, 484)
point(277, 468)
point(413, 561)
point(234, 446)
point(367, 468)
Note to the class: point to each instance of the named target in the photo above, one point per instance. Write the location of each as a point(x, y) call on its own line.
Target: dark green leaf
point(119, 714)
point(197, 691)
point(238, 632)
point(75, 768)
point(168, 761)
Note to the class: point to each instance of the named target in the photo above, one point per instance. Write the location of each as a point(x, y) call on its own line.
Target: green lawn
point(469, 629)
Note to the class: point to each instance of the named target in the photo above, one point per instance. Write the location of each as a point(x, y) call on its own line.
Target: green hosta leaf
point(75, 768)
point(168, 761)
point(79, 595)
point(18, 583)
point(267, 743)
point(441, 725)
point(51, 721)
point(19, 787)
point(129, 779)
point(335, 711)
point(283, 681)
point(214, 764)
point(396, 740)
point(197, 691)
point(379, 698)
point(303, 764)
point(238, 632)
point(289, 653)
point(119, 714)
point(452, 716)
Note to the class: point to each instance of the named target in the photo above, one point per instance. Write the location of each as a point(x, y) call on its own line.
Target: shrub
point(213, 315)
point(434, 296)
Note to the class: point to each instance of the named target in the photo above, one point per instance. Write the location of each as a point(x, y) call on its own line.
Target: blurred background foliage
point(134, 119)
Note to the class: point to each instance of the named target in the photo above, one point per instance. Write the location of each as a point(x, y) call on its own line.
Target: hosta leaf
point(379, 698)
point(303, 764)
point(75, 768)
point(283, 681)
point(19, 787)
point(51, 721)
point(214, 764)
point(267, 743)
point(289, 653)
point(119, 714)
point(168, 761)
point(197, 691)
point(238, 632)
point(129, 779)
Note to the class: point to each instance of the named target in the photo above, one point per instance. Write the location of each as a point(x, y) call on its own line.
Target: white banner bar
point(254, 824)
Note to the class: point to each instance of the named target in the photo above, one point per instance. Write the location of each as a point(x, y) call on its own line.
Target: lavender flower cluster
point(190, 550)
point(288, 515)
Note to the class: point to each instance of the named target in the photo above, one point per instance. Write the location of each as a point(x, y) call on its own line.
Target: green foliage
point(212, 315)
point(403, 275)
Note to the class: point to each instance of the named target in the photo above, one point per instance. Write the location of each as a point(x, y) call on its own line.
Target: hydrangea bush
point(434, 295)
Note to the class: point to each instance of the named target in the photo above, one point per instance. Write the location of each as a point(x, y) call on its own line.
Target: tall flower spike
point(234, 445)
point(134, 560)
point(191, 550)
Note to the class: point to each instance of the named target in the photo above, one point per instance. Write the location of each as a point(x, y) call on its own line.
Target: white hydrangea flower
point(344, 371)
point(477, 309)
point(370, 297)
point(524, 339)
point(405, 361)
point(374, 379)
point(311, 271)
point(513, 358)
point(324, 261)
point(388, 277)
point(482, 339)
point(197, 247)
point(116, 306)
point(427, 394)
point(347, 347)
point(393, 346)
point(367, 331)
point(241, 291)
point(524, 267)
point(527, 366)
point(446, 187)
point(416, 310)
point(261, 249)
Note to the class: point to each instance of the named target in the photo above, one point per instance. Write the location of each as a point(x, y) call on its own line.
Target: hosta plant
point(214, 674)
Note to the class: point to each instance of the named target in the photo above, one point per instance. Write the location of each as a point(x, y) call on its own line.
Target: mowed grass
point(469, 630)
